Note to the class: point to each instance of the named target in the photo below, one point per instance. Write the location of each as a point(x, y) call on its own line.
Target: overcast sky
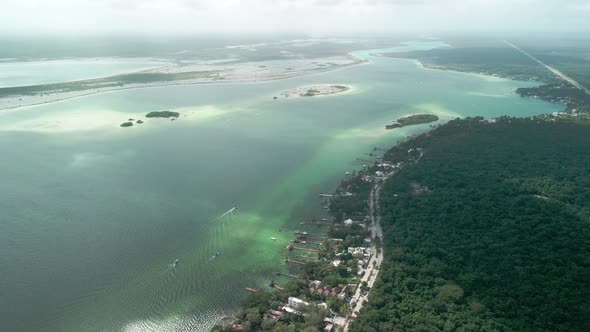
point(306, 16)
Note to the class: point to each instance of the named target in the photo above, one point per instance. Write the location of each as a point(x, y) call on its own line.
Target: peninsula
point(184, 73)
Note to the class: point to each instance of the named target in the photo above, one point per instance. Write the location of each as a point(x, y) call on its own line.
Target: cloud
point(328, 16)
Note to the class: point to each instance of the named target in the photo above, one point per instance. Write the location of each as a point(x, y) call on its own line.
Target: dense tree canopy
point(500, 241)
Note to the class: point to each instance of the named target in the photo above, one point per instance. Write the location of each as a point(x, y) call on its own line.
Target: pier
point(272, 284)
point(367, 161)
point(291, 248)
point(288, 275)
point(306, 257)
point(317, 222)
point(292, 261)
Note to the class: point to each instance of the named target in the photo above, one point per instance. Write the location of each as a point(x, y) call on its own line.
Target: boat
point(214, 256)
point(273, 238)
point(176, 262)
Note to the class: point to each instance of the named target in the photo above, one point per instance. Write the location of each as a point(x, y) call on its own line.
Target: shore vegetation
point(499, 241)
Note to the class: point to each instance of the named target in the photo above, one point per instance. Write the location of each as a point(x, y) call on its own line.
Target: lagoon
point(25, 73)
point(94, 215)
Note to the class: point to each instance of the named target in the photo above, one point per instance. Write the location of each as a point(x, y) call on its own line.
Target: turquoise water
point(56, 71)
point(93, 217)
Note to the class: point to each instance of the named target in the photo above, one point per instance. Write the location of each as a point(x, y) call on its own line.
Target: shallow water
point(65, 70)
point(92, 220)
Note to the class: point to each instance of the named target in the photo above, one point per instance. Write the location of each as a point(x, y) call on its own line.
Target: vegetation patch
point(413, 120)
point(162, 114)
point(480, 251)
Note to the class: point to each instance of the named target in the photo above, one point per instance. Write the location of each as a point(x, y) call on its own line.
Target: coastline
point(263, 88)
point(405, 215)
point(430, 66)
point(250, 80)
point(536, 84)
point(369, 182)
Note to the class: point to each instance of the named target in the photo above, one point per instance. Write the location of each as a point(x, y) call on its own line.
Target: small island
point(413, 120)
point(316, 90)
point(127, 124)
point(162, 114)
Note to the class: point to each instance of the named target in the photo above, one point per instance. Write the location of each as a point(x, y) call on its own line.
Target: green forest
point(500, 240)
point(497, 59)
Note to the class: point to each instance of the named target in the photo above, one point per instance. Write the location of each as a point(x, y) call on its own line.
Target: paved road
point(376, 231)
point(375, 263)
point(552, 69)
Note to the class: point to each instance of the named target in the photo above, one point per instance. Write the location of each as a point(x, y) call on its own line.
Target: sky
point(315, 17)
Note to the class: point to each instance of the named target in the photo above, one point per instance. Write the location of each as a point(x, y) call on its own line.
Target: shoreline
point(356, 61)
point(469, 134)
point(371, 179)
point(429, 66)
point(316, 90)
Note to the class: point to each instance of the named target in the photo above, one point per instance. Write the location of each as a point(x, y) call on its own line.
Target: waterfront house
point(296, 303)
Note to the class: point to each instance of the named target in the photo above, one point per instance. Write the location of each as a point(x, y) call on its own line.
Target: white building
point(360, 252)
point(296, 303)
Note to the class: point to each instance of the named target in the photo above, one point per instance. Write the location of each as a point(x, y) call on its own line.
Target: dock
point(288, 275)
point(272, 284)
point(306, 257)
point(366, 161)
point(317, 222)
point(292, 261)
point(291, 248)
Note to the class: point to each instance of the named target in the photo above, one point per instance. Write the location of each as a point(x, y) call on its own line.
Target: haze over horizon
point(314, 17)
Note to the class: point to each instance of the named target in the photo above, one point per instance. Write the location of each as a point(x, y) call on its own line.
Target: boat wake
point(228, 212)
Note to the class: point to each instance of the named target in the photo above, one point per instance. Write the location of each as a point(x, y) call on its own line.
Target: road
point(552, 69)
point(376, 259)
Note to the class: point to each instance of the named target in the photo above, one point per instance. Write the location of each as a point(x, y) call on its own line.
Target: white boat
point(273, 238)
